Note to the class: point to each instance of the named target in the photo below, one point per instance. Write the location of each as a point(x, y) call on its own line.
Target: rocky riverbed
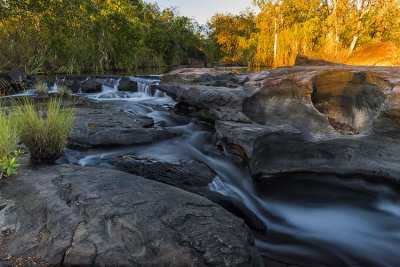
point(201, 167)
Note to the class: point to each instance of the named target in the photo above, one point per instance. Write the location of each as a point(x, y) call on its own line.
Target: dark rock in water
point(105, 127)
point(72, 215)
point(185, 174)
point(12, 82)
point(126, 84)
point(190, 175)
point(91, 86)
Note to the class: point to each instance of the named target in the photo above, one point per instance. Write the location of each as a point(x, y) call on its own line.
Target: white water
point(326, 221)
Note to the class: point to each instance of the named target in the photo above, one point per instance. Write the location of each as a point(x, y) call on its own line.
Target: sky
point(203, 10)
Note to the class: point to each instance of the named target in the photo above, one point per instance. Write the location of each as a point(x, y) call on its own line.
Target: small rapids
point(317, 220)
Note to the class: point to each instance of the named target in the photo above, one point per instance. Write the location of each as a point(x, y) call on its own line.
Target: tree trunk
point(275, 42)
point(353, 43)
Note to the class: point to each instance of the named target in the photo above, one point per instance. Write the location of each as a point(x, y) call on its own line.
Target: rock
point(189, 175)
point(95, 127)
point(195, 75)
point(220, 103)
point(243, 135)
point(365, 156)
point(126, 84)
point(185, 174)
point(302, 60)
point(72, 215)
point(380, 54)
point(91, 86)
point(316, 116)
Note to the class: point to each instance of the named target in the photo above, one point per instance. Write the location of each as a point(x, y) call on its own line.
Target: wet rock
point(220, 103)
point(95, 127)
point(73, 215)
point(190, 175)
point(91, 86)
point(285, 152)
point(126, 84)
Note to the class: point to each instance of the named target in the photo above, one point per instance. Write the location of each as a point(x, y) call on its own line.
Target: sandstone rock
point(190, 175)
point(302, 60)
point(72, 215)
point(286, 152)
point(220, 103)
point(316, 116)
point(107, 127)
point(126, 84)
point(380, 54)
point(195, 75)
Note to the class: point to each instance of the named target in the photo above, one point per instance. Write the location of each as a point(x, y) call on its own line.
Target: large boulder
point(96, 127)
point(72, 215)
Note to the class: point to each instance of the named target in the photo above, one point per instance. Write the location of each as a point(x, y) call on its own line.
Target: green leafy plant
point(8, 144)
point(44, 128)
point(9, 164)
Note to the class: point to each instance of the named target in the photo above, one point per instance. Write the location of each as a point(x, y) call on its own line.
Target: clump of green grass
point(44, 128)
point(40, 87)
point(8, 145)
point(64, 91)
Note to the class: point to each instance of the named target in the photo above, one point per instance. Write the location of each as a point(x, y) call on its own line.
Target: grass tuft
point(64, 91)
point(44, 128)
point(8, 134)
point(40, 87)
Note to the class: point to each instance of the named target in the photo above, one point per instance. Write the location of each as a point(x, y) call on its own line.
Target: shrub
point(44, 128)
point(64, 91)
point(8, 145)
point(40, 87)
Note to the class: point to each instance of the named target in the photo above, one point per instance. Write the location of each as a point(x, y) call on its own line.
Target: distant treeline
point(94, 35)
point(328, 29)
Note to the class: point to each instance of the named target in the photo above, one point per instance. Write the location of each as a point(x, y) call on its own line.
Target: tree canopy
point(329, 29)
point(93, 35)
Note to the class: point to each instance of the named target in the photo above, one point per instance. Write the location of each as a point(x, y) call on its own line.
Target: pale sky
point(203, 10)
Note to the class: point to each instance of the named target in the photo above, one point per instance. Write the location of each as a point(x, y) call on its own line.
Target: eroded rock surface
point(189, 175)
point(75, 215)
point(106, 127)
point(315, 116)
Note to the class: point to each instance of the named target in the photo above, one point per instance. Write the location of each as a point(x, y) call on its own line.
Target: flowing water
point(316, 220)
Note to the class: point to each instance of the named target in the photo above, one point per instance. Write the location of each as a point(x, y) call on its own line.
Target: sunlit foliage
point(92, 35)
point(329, 29)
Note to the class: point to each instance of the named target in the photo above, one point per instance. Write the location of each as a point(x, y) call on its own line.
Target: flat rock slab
point(106, 127)
point(74, 215)
point(189, 175)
